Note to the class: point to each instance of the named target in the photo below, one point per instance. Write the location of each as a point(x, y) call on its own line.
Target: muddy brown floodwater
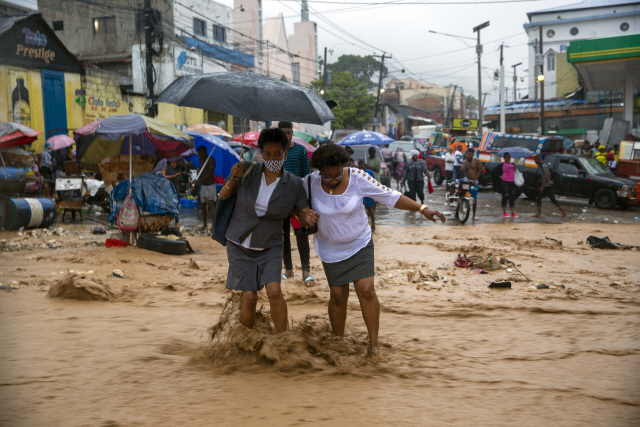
point(455, 352)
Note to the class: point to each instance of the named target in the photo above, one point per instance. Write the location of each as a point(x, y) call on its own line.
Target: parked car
point(408, 146)
point(361, 152)
point(584, 177)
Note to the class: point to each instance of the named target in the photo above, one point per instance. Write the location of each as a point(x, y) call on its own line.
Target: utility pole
point(149, 27)
point(324, 75)
point(479, 52)
point(541, 80)
point(502, 91)
point(384, 55)
point(515, 81)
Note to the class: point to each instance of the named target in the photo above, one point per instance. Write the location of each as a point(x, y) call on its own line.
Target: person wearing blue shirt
point(369, 203)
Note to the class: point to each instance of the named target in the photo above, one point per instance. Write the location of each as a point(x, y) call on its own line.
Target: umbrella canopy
point(249, 137)
point(249, 95)
point(15, 134)
point(567, 143)
point(323, 138)
point(114, 135)
point(60, 141)
point(516, 152)
point(163, 162)
point(223, 154)
point(366, 138)
point(210, 129)
point(304, 136)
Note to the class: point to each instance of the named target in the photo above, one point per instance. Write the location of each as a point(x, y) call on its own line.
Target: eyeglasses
point(335, 178)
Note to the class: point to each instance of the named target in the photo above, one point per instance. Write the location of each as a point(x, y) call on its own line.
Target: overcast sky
point(403, 31)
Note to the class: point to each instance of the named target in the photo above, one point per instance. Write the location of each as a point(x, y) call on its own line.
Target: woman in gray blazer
point(265, 196)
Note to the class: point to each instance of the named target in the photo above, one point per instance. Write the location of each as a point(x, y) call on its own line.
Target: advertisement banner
point(98, 108)
point(465, 124)
point(19, 107)
point(27, 41)
point(186, 62)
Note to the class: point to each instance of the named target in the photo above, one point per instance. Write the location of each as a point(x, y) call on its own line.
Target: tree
point(472, 106)
point(354, 103)
point(363, 68)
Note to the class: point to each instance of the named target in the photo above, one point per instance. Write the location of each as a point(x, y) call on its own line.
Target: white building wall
point(602, 22)
point(212, 13)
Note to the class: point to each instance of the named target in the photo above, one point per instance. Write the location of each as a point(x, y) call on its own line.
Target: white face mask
point(274, 166)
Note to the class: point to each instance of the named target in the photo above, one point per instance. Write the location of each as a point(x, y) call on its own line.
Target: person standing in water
point(266, 195)
point(297, 163)
point(546, 187)
point(208, 190)
point(343, 242)
point(508, 186)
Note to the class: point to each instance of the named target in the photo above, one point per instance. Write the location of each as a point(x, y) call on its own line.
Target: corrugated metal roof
point(585, 4)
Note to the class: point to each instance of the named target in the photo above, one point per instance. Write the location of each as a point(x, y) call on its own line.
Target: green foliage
point(363, 68)
point(354, 103)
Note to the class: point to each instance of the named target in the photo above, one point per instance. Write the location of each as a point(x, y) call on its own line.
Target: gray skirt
point(359, 266)
point(251, 270)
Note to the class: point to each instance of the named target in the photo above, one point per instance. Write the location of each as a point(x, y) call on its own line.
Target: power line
point(448, 3)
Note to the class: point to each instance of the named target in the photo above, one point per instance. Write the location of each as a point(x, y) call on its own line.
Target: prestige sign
point(29, 42)
point(465, 124)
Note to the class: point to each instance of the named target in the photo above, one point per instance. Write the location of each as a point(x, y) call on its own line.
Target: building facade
point(560, 26)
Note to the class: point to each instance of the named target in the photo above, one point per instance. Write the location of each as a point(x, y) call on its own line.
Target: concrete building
point(277, 62)
point(303, 46)
point(589, 19)
point(103, 32)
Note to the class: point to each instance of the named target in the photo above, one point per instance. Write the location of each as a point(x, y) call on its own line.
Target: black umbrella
point(248, 95)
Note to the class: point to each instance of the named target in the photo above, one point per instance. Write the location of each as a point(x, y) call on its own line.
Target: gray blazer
point(267, 230)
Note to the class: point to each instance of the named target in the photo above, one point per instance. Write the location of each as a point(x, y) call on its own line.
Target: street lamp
point(479, 52)
point(454, 36)
point(541, 77)
point(231, 11)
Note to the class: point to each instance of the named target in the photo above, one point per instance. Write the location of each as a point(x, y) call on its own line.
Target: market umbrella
point(224, 155)
point(162, 163)
point(210, 129)
point(248, 95)
point(516, 152)
point(15, 134)
point(60, 141)
point(247, 137)
point(366, 138)
point(130, 134)
point(304, 136)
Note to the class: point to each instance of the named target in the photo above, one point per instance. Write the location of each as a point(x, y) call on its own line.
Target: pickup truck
point(585, 177)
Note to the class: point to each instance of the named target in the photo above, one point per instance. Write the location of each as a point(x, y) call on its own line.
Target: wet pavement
point(489, 210)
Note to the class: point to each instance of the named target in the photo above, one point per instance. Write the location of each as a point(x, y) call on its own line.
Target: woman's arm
point(230, 187)
point(308, 217)
point(406, 204)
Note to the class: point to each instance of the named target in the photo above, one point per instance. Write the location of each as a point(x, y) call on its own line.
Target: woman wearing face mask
point(343, 241)
point(266, 194)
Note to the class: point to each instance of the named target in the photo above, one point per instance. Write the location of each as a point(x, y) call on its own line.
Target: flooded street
point(453, 349)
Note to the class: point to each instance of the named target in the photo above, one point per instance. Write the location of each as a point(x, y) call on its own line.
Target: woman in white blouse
point(343, 241)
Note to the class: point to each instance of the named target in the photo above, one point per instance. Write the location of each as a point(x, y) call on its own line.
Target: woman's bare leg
point(248, 309)
point(338, 298)
point(278, 305)
point(370, 307)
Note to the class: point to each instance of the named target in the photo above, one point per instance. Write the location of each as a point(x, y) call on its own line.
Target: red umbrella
point(249, 137)
point(14, 134)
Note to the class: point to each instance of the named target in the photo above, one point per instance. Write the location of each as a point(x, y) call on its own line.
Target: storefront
point(38, 78)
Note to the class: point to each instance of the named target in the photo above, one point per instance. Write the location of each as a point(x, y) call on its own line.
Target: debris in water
point(193, 265)
point(75, 286)
point(118, 273)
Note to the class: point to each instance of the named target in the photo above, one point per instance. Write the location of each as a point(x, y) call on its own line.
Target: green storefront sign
point(606, 49)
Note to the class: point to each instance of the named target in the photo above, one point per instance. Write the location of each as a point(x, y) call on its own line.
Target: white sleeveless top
point(343, 228)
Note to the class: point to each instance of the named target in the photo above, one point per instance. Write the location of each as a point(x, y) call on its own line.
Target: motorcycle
point(461, 199)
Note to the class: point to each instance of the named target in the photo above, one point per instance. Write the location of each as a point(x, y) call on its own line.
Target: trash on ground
point(193, 265)
point(99, 230)
point(541, 286)
point(118, 273)
point(480, 271)
point(555, 240)
point(74, 286)
point(495, 285)
point(115, 243)
point(605, 243)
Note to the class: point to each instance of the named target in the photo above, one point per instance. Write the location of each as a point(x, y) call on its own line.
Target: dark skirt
point(251, 270)
point(359, 266)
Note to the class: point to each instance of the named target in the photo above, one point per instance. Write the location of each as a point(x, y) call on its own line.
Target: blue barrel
point(27, 213)
point(12, 174)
